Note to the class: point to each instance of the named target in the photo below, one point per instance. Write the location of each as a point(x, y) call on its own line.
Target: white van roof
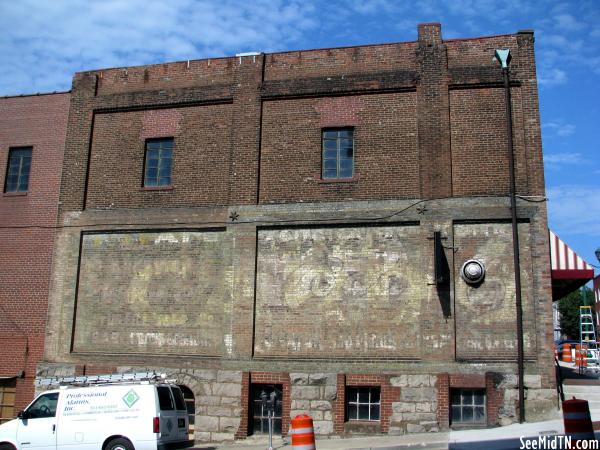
point(117, 378)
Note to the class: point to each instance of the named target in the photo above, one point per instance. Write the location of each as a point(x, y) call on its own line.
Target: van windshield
point(44, 406)
point(164, 398)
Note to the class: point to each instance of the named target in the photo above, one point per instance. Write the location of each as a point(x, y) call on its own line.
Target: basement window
point(468, 407)
point(158, 162)
point(338, 153)
point(363, 403)
point(17, 170)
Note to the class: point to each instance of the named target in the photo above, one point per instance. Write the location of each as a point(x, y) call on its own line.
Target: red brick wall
point(386, 151)
point(336, 61)
point(478, 121)
point(202, 139)
point(26, 231)
point(429, 120)
point(178, 75)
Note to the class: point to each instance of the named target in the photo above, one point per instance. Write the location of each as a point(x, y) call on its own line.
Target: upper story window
point(158, 162)
point(17, 171)
point(338, 153)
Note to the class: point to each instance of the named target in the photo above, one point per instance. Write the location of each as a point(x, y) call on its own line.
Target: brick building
point(265, 222)
point(32, 139)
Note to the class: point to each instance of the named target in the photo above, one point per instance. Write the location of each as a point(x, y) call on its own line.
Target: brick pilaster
point(433, 114)
point(244, 159)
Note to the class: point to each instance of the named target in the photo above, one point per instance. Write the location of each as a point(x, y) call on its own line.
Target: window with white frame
point(468, 407)
point(363, 403)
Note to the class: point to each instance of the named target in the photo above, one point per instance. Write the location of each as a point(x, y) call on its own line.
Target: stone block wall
point(218, 408)
point(314, 394)
point(416, 412)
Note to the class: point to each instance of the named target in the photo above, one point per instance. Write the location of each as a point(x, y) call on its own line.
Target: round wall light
point(472, 271)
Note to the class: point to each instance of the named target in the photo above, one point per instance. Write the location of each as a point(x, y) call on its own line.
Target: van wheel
point(118, 444)
point(6, 447)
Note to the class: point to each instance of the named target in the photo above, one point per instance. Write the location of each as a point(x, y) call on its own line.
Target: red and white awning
point(569, 270)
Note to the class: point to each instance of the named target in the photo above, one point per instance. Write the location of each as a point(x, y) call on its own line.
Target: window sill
point(354, 179)
point(362, 427)
point(15, 194)
point(468, 426)
point(157, 188)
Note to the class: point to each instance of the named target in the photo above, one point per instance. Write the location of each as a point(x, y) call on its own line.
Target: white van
point(133, 415)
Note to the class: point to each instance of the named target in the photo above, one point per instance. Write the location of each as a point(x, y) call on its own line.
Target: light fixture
point(503, 57)
point(473, 271)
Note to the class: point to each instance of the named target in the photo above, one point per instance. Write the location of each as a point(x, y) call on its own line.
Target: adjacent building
point(298, 223)
point(32, 139)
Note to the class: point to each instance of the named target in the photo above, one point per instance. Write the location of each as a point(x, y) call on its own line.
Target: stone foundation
point(410, 403)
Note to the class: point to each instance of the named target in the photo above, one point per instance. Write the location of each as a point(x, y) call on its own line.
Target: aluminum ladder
point(587, 338)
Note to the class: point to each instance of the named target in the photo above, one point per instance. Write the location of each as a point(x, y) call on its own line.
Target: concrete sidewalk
point(501, 438)
point(434, 441)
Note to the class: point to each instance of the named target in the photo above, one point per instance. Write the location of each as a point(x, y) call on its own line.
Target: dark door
point(259, 419)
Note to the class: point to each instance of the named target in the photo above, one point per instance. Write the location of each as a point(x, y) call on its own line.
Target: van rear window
point(179, 401)
point(164, 398)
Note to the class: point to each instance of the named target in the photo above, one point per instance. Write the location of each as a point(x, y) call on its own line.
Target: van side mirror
point(23, 415)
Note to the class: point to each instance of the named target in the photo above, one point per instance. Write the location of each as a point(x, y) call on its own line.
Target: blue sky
point(44, 42)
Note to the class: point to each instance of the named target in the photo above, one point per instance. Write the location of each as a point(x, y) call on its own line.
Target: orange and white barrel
point(566, 353)
point(580, 355)
point(303, 433)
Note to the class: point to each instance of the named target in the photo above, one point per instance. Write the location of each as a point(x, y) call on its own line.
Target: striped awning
point(569, 270)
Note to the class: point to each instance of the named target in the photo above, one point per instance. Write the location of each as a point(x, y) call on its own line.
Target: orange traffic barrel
point(303, 434)
point(566, 353)
point(580, 355)
point(577, 418)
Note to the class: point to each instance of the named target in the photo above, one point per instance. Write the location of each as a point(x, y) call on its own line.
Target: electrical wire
point(249, 222)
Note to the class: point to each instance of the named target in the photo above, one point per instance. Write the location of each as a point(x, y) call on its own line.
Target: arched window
point(190, 404)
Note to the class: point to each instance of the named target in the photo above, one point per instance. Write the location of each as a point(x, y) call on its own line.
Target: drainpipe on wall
point(503, 56)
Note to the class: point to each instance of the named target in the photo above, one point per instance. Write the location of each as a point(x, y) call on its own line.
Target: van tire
point(118, 444)
point(6, 447)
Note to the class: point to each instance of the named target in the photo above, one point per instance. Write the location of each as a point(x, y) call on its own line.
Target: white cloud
point(567, 22)
point(559, 128)
point(55, 39)
point(575, 208)
point(375, 6)
point(563, 158)
point(551, 77)
point(44, 42)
